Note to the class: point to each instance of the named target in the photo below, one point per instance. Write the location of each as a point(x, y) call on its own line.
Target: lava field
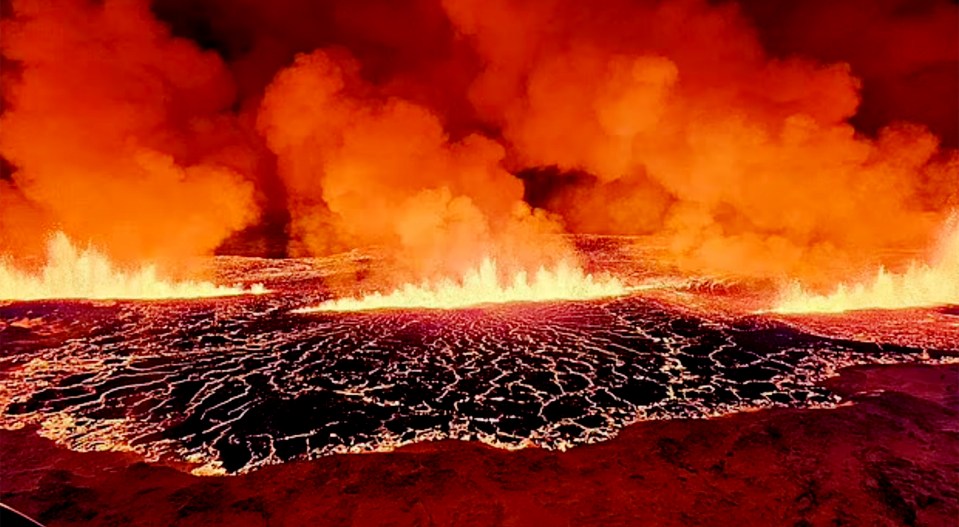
point(227, 385)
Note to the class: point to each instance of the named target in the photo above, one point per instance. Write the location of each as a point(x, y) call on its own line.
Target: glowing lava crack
point(235, 385)
point(482, 286)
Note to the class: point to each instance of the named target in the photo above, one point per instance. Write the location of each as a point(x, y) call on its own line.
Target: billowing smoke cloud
point(120, 134)
point(904, 51)
point(753, 142)
point(747, 163)
point(363, 169)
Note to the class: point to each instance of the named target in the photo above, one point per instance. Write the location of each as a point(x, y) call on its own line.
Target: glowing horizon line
point(482, 286)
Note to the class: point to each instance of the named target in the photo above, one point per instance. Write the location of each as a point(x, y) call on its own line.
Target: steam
point(365, 169)
point(115, 129)
point(747, 163)
point(483, 286)
point(406, 124)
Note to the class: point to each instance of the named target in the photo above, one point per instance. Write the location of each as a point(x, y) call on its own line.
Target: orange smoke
point(120, 134)
point(366, 169)
point(903, 50)
point(747, 163)
point(406, 124)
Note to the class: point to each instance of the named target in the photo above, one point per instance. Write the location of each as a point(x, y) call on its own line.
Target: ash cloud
point(746, 161)
point(120, 134)
point(363, 168)
point(762, 138)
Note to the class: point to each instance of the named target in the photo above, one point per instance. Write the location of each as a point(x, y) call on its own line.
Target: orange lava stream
point(921, 285)
point(70, 273)
point(483, 286)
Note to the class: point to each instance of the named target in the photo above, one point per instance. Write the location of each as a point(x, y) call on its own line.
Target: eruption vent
point(922, 284)
point(483, 286)
point(88, 274)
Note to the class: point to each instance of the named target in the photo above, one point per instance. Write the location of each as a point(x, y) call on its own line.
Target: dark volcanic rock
point(243, 382)
point(889, 458)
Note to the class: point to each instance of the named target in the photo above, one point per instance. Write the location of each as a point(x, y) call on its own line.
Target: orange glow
point(482, 285)
point(683, 125)
point(144, 161)
point(88, 274)
point(922, 284)
point(448, 131)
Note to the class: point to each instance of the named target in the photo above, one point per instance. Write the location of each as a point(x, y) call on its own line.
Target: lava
point(921, 285)
point(482, 285)
point(235, 385)
point(89, 274)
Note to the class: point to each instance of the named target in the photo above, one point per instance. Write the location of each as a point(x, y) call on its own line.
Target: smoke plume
point(767, 139)
point(365, 169)
point(121, 135)
point(748, 163)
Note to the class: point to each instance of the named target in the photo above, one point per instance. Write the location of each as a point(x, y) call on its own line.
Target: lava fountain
point(71, 273)
point(482, 285)
point(921, 285)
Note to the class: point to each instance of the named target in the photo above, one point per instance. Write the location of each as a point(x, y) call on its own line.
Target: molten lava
point(922, 284)
point(483, 286)
point(73, 273)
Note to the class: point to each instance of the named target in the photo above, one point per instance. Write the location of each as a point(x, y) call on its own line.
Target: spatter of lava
point(922, 284)
point(484, 286)
point(71, 273)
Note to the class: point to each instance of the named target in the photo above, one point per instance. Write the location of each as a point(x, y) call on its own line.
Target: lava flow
point(530, 224)
point(921, 285)
point(483, 286)
point(89, 274)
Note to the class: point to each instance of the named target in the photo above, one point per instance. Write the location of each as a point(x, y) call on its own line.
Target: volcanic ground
point(228, 385)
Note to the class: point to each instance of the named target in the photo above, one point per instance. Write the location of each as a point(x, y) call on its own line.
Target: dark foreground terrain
point(890, 456)
point(679, 404)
